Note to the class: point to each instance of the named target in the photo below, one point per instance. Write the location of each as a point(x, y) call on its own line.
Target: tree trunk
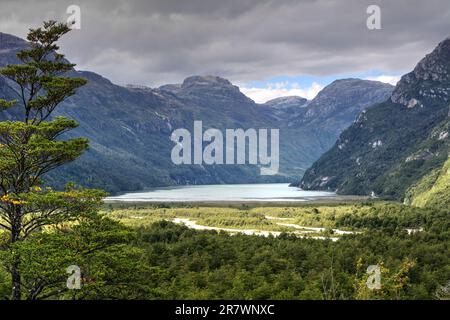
point(15, 274)
point(15, 271)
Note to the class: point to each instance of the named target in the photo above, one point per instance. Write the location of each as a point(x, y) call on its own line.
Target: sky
point(269, 48)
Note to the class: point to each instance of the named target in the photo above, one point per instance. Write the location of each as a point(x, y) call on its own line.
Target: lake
point(273, 192)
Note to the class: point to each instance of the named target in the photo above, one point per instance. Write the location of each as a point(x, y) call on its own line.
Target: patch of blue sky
point(305, 81)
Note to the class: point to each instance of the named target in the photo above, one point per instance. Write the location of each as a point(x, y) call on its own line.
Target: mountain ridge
point(396, 143)
point(131, 128)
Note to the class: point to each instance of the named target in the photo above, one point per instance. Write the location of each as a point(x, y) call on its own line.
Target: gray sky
point(281, 46)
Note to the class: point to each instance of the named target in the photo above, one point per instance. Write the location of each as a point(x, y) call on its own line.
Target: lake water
point(223, 192)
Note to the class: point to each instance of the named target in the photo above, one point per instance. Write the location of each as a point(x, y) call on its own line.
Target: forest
point(168, 261)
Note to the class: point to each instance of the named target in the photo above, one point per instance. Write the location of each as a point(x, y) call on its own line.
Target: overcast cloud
point(164, 41)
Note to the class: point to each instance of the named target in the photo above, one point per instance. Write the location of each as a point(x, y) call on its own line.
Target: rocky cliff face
point(394, 144)
point(428, 81)
point(129, 128)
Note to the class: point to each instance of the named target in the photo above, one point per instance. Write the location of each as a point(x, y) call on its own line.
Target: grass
point(348, 217)
point(255, 218)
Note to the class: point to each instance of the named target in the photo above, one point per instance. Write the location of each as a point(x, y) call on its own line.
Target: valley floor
point(319, 220)
point(259, 251)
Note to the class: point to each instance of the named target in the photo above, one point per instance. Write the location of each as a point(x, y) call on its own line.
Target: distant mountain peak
point(287, 99)
point(353, 81)
point(205, 81)
point(209, 87)
point(137, 87)
point(286, 102)
point(9, 45)
point(349, 85)
point(10, 41)
point(346, 80)
point(347, 93)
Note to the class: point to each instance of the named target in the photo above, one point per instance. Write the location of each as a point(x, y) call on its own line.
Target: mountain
point(129, 128)
point(393, 145)
point(285, 108)
point(309, 131)
point(289, 102)
point(335, 107)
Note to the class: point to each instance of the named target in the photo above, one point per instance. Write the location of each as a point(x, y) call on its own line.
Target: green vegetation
point(191, 264)
point(188, 264)
point(356, 217)
point(38, 223)
point(394, 144)
point(355, 166)
point(433, 190)
point(163, 260)
point(110, 266)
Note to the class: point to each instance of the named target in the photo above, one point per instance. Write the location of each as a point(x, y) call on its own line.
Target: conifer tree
point(34, 145)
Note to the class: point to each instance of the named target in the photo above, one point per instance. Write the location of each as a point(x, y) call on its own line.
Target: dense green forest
point(168, 261)
point(205, 265)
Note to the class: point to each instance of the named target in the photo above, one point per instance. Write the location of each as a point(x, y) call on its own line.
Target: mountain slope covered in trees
point(392, 145)
point(433, 190)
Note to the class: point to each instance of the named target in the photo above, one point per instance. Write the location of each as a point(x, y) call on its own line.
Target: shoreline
point(337, 200)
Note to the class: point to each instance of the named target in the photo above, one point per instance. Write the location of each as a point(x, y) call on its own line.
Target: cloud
point(386, 79)
point(163, 41)
point(282, 89)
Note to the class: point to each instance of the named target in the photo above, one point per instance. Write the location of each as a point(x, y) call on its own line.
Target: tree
point(393, 283)
point(33, 145)
point(98, 247)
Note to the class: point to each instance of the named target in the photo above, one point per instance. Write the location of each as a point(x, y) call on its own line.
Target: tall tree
point(33, 146)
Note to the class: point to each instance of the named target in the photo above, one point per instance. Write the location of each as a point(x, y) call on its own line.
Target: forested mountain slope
point(392, 145)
